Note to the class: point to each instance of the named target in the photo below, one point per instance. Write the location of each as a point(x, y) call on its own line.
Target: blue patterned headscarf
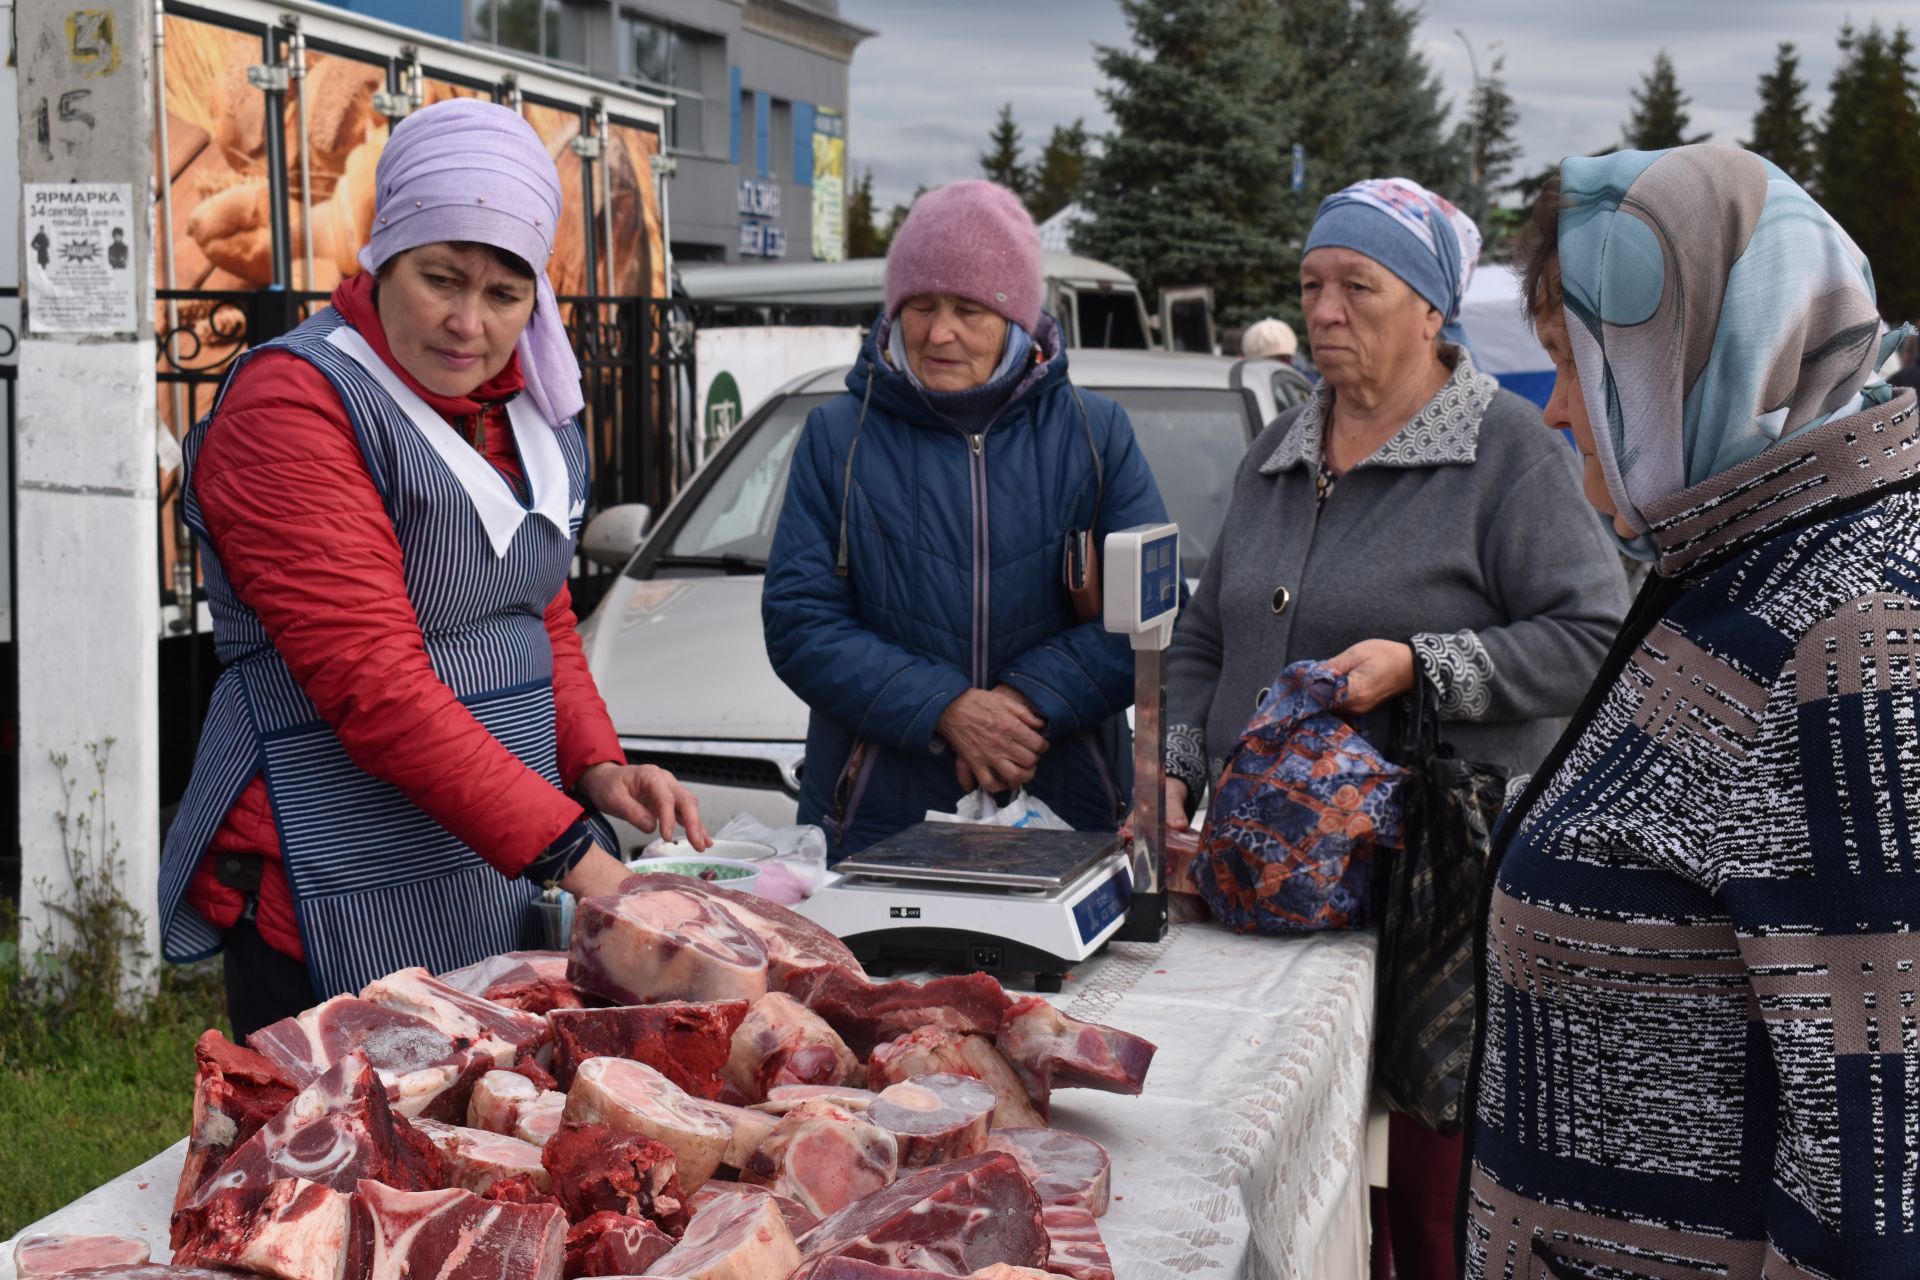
point(1714, 310)
point(1419, 236)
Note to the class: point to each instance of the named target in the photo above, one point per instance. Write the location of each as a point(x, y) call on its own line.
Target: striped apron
point(377, 884)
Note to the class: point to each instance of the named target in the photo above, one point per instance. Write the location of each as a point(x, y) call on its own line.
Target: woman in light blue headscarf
point(1697, 1049)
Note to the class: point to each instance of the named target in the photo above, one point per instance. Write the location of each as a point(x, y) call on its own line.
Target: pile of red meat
point(753, 1107)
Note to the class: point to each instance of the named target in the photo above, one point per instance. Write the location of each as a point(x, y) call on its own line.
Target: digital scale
point(963, 897)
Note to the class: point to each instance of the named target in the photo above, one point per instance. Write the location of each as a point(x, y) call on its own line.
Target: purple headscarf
point(471, 170)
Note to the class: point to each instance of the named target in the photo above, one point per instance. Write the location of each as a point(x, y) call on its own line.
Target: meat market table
point(1244, 1157)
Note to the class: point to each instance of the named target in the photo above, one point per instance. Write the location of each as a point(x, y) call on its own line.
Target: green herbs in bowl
point(722, 872)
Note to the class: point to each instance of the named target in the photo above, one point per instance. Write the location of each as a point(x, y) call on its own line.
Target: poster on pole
point(829, 186)
point(79, 257)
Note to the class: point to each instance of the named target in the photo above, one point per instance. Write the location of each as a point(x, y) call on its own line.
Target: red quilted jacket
point(308, 546)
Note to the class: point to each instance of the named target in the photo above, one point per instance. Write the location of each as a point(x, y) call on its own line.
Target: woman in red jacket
point(405, 743)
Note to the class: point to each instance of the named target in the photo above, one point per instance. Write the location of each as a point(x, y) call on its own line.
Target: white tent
point(1502, 340)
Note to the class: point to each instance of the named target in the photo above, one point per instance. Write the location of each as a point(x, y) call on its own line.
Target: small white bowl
point(728, 873)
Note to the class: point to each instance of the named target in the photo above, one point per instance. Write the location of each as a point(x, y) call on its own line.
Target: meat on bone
point(749, 1129)
point(613, 1244)
point(299, 1232)
point(235, 1092)
point(665, 944)
point(936, 1050)
point(1001, 1271)
point(1064, 1168)
point(738, 1238)
point(540, 1119)
point(687, 1042)
point(868, 1013)
point(148, 1271)
point(452, 1235)
point(783, 1098)
point(796, 947)
point(1074, 1246)
point(504, 1034)
point(595, 1169)
point(417, 1061)
point(824, 1158)
point(782, 1042)
point(475, 1159)
point(51, 1255)
point(1051, 1051)
point(935, 1118)
point(634, 1098)
point(951, 1219)
point(530, 981)
point(798, 1220)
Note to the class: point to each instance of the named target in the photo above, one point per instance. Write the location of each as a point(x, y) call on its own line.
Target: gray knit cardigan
point(1465, 535)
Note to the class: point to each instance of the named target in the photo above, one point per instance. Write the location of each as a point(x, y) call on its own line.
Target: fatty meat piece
point(148, 1271)
point(935, 1118)
point(300, 1232)
point(738, 1238)
point(935, 1050)
point(452, 1235)
point(782, 1042)
point(595, 1169)
point(664, 944)
point(868, 1013)
point(1001, 1271)
point(540, 1119)
point(854, 1269)
point(1051, 1051)
point(823, 1158)
point(530, 981)
point(783, 1098)
point(1074, 1246)
point(504, 1034)
point(798, 1220)
point(475, 1159)
point(796, 947)
point(749, 1128)
point(497, 1099)
point(634, 1098)
point(613, 1244)
point(235, 1092)
point(1064, 1168)
point(394, 1042)
point(684, 1041)
point(51, 1255)
point(440, 1093)
point(951, 1219)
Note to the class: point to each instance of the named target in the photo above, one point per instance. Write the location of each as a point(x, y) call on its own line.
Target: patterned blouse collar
point(1815, 475)
point(1445, 432)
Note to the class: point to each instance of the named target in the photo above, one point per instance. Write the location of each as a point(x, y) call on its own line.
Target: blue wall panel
point(433, 17)
point(733, 113)
point(762, 132)
point(803, 143)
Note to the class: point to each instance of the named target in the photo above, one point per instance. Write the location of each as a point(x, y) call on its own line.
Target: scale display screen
point(1102, 907)
point(1159, 576)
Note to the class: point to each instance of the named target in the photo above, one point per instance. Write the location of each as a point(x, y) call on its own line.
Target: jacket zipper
point(978, 464)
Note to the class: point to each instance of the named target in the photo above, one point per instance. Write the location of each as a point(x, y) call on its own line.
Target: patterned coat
point(1699, 1052)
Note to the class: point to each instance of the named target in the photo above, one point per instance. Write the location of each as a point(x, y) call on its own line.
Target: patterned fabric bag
point(1429, 923)
point(1296, 816)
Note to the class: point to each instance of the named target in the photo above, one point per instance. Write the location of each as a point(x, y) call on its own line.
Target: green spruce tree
point(1000, 162)
point(1056, 178)
point(1660, 116)
point(1487, 133)
point(864, 238)
point(1783, 125)
point(1869, 160)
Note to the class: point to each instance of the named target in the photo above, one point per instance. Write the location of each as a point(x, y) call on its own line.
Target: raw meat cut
point(855, 1269)
point(475, 1159)
point(1001, 1271)
point(613, 1244)
point(749, 1129)
point(665, 944)
point(796, 947)
point(497, 1099)
point(540, 1119)
point(798, 1220)
point(634, 1098)
point(1051, 1051)
point(148, 1271)
point(868, 1013)
point(520, 1190)
point(935, 1118)
point(951, 1219)
point(505, 1034)
point(442, 1092)
point(738, 1238)
point(336, 1131)
point(824, 1158)
point(452, 1235)
point(932, 1050)
point(783, 1098)
point(299, 1232)
point(1063, 1167)
point(782, 1042)
point(235, 1091)
point(532, 1070)
point(1074, 1246)
point(596, 1169)
point(393, 1041)
point(530, 981)
point(687, 1043)
point(51, 1255)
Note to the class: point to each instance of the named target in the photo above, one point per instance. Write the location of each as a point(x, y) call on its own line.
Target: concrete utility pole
point(84, 480)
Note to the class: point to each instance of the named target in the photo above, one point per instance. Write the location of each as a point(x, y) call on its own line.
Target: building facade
point(758, 132)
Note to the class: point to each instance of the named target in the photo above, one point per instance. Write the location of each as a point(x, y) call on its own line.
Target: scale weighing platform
point(962, 897)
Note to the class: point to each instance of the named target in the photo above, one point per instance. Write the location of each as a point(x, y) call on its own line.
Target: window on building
point(780, 152)
point(545, 29)
point(655, 55)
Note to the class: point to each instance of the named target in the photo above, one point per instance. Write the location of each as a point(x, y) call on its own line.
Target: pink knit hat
point(974, 239)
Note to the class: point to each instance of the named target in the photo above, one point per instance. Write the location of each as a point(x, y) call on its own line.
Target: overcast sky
point(925, 89)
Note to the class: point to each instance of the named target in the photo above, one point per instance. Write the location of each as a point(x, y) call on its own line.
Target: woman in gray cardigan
point(1410, 515)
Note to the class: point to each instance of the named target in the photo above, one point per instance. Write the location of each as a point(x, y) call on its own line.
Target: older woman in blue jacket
point(914, 596)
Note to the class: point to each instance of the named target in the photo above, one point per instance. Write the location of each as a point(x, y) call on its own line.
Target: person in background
point(1269, 338)
point(915, 592)
point(1407, 522)
point(1696, 1051)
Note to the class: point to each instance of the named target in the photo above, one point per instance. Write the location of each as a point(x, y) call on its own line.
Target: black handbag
point(1424, 1014)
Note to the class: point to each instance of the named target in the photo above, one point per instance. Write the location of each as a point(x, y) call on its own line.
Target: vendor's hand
point(996, 736)
point(1376, 671)
point(1175, 816)
point(647, 796)
point(597, 874)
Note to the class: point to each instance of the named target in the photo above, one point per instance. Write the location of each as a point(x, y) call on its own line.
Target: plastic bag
point(1023, 811)
point(799, 863)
